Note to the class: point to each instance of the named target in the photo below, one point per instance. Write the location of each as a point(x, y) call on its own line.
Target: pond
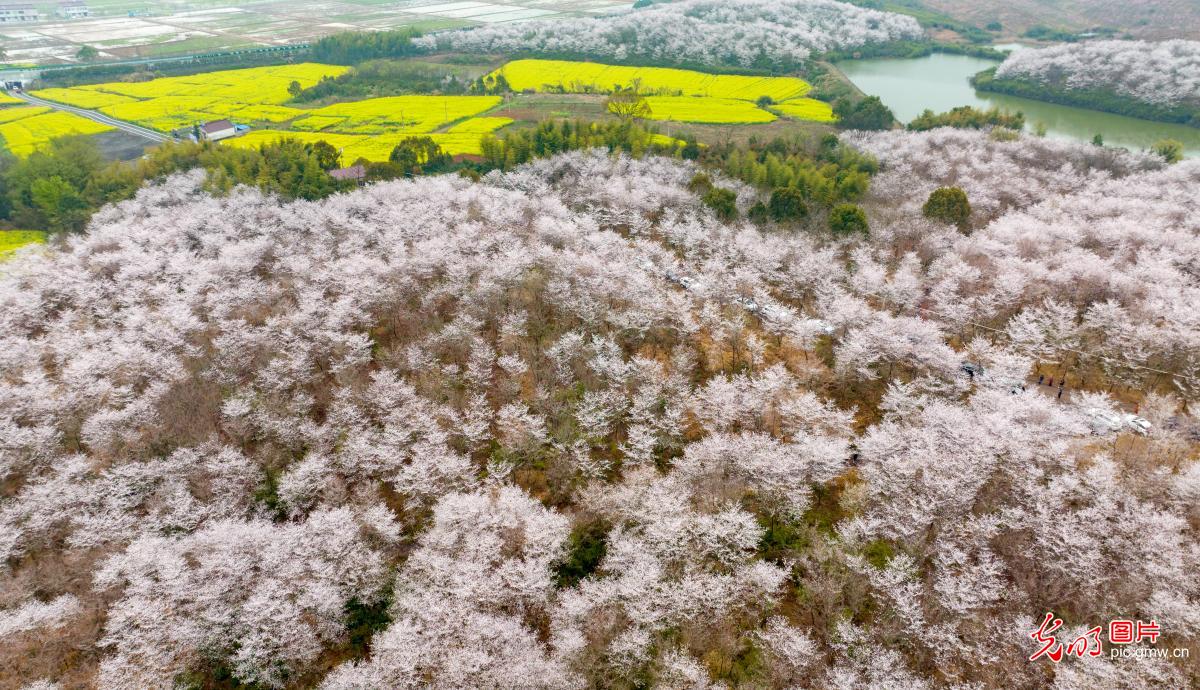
point(941, 82)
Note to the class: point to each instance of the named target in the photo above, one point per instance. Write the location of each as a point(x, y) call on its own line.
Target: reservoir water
point(941, 82)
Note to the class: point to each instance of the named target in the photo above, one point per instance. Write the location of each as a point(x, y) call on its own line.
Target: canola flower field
point(370, 128)
point(463, 138)
point(592, 77)
point(26, 128)
point(674, 94)
point(256, 94)
point(806, 109)
point(12, 240)
point(705, 110)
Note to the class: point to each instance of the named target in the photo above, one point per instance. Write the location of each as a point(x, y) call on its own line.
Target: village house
point(358, 173)
point(73, 9)
point(217, 130)
point(18, 14)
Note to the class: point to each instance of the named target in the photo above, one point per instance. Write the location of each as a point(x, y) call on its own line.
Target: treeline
point(59, 189)
point(351, 47)
point(1093, 99)
point(913, 49)
point(376, 78)
point(552, 137)
point(967, 117)
point(1046, 33)
point(100, 73)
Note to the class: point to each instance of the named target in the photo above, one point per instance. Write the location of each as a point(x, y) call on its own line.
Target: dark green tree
point(327, 156)
point(787, 204)
point(418, 155)
point(722, 201)
point(868, 113)
point(848, 219)
point(691, 149)
point(60, 203)
point(949, 205)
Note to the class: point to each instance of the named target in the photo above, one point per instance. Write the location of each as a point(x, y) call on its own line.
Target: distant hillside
point(1152, 19)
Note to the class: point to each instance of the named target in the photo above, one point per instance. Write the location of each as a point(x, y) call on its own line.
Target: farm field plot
point(122, 29)
point(253, 94)
point(674, 94)
point(591, 77)
point(806, 109)
point(706, 110)
point(25, 129)
point(256, 95)
point(398, 114)
point(463, 138)
point(12, 240)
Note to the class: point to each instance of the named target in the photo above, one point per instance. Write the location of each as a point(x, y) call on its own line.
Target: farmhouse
point(73, 9)
point(217, 130)
point(17, 14)
point(353, 172)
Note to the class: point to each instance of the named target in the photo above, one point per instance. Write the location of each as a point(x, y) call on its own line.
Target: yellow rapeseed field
point(463, 138)
point(11, 240)
point(401, 114)
point(257, 95)
point(806, 109)
point(717, 98)
point(705, 110)
point(38, 126)
point(21, 112)
point(254, 94)
point(480, 125)
point(591, 77)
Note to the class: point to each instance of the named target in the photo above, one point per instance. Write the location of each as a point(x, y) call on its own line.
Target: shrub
point(949, 205)
point(722, 201)
point(787, 204)
point(848, 219)
point(1169, 149)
